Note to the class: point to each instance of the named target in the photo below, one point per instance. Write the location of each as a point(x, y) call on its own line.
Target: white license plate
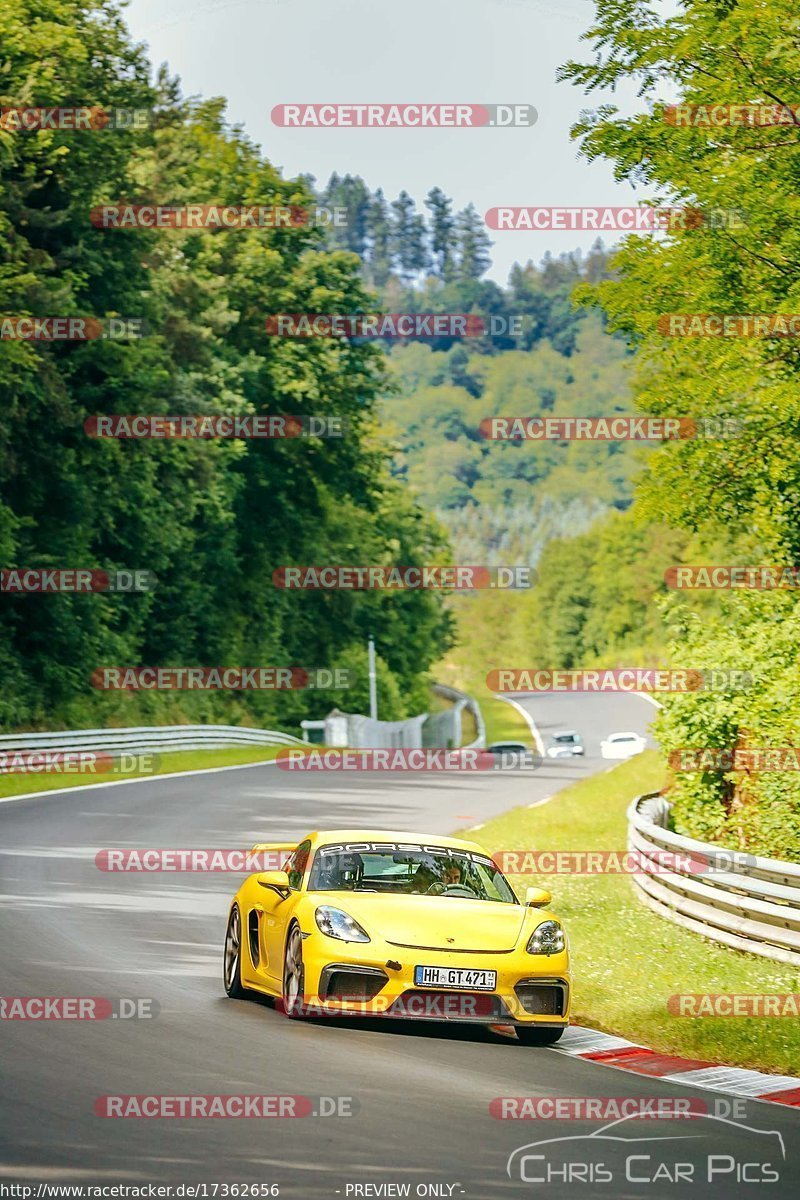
point(455, 977)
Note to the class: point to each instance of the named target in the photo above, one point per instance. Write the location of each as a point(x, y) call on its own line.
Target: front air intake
point(543, 997)
point(351, 983)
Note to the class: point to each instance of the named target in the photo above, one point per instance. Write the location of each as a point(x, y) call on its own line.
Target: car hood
point(436, 922)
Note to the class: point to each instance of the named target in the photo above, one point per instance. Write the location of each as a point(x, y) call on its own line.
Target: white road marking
point(536, 803)
point(86, 787)
point(537, 737)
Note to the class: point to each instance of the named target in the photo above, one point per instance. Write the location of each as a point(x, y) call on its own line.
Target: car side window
point(296, 866)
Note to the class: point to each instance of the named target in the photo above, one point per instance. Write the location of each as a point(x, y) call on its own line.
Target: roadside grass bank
point(627, 961)
point(503, 722)
point(19, 783)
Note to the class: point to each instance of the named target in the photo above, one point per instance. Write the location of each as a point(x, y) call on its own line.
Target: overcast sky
point(259, 53)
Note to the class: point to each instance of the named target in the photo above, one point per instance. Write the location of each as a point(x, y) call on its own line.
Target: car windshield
point(567, 738)
point(411, 870)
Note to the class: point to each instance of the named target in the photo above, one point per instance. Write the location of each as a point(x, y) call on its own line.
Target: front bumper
point(377, 980)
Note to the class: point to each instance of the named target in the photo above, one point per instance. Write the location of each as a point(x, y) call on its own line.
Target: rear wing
point(274, 854)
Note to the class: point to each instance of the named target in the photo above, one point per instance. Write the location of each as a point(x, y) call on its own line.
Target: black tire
point(538, 1035)
point(293, 995)
point(232, 957)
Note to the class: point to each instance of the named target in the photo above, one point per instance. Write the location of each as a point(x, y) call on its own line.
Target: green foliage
point(211, 519)
point(501, 498)
point(628, 961)
point(395, 241)
point(756, 811)
point(743, 491)
point(596, 601)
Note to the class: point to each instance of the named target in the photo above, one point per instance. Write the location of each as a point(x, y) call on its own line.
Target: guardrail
point(427, 730)
point(738, 899)
point(449, 722)
point(148, 739)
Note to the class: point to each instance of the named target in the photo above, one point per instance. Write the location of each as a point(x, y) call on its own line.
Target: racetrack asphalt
point(420, 1092)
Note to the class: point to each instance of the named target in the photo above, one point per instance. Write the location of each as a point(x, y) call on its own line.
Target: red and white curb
point(628, 1056)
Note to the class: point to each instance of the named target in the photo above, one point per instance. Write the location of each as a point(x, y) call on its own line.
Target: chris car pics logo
point(715, 1157)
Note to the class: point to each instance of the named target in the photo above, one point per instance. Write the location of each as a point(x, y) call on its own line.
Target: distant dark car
point(566, 743)
point(513, 754)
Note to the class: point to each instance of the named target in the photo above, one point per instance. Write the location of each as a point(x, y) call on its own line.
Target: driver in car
point(452, 876)
point(342, 872)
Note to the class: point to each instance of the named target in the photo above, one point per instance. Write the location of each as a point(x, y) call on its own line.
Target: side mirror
point(534, 897)
point(276, 881)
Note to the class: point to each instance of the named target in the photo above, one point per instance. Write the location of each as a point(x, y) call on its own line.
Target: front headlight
point(547, 938)
point(337, 924)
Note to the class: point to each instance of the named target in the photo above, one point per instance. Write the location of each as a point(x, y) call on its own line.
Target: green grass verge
point(183, 760)
point(626, 960)
point(503, 722)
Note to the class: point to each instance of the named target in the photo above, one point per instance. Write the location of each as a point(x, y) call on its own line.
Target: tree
point(350, 193)
point(442, 235)
point(473, 244)
point(739, 255)
point(212, 519)
point(379, 235)
point(408, 237)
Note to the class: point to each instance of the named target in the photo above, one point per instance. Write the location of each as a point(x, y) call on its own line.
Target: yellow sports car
point(364, 923)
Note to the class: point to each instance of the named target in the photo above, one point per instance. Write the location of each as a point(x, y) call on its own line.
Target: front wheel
point(232, 960)
point(293, 975)
point(538, 1035)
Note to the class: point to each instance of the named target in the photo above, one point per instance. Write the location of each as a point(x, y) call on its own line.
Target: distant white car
point(566, 743)
point(622, 745)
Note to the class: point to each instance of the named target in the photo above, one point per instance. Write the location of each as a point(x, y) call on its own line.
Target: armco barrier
point(446, 726)
point(147, 740)
point(745, 902)
point(427, 730)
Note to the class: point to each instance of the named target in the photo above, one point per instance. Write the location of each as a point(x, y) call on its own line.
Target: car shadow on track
point(453, 1031)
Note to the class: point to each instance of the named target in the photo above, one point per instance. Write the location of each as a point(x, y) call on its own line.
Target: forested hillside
point(500, 501)
point(213, 518)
